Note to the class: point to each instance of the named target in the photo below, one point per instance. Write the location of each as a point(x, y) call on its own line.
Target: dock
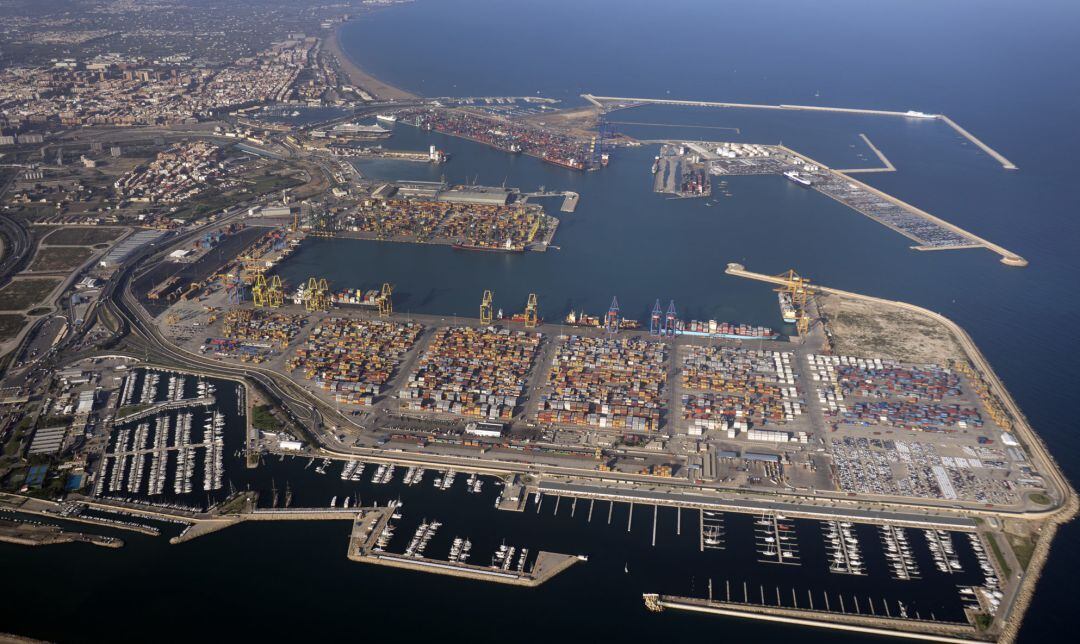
point(623, 102)
point(570, 201)
point(871, 624)
point(371, 522)
point(886, 165)
point(167, 405)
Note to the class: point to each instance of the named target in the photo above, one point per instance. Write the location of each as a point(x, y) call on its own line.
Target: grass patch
point(1006, 571)
point(132, 409)
point(1023, 548)
point(82, 236)
point(22, 294)
point(60, 258)
point(15, 441)
point(10, 325)
point(983, 621)
point(1040, 498)
point(41, 310)
point(262, 418)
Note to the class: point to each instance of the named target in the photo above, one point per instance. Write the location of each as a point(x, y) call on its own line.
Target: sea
point(1003, 70)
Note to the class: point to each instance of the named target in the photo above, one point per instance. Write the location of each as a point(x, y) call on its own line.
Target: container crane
point(486, 308)
point(655, 320)
point(386, 303)
point(531, 312)
point(611, 321)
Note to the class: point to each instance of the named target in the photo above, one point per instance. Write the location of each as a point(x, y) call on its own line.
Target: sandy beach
point(359, 77)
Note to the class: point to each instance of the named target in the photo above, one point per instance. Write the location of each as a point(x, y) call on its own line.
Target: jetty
point(620, 102)
point(371, 522)
point(868, 623)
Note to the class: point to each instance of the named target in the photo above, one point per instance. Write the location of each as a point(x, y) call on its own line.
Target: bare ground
point(866, 329)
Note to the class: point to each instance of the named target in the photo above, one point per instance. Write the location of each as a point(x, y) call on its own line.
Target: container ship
point(727, 330)
point(797, 178)
point(586, 320)
point(355, 297)
point(573, 164)
point(787, 308)
point(507, 247)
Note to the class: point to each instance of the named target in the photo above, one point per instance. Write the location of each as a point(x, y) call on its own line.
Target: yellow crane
point(532, 311)
point(798, 288)
point(386, 303)
point(316, 295)
point(259, 290)
point(485, 307)
point(275, 294)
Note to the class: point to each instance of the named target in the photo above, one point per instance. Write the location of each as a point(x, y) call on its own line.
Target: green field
point(60, 258)
point(22, 294)
point(82, 236)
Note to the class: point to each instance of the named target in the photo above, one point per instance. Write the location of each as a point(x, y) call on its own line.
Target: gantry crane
point(316, 295)
point(275, 294)
point(611, 320)
point(486, 307)
point(799, 290)
point(259, 290)
point(531, 312)
point(386, 304)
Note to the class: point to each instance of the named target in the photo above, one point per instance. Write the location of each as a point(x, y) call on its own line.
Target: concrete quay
point(370, 523)
point(868, 624)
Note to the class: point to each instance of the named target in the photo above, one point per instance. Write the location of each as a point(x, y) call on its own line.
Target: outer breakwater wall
point(871, 625)
point(600, 101)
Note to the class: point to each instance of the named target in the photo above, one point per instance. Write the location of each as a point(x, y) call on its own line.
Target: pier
point(623, 102)
point(887, 165)
point(753, 506)
point(872, 624)
point(167, 405)
point(371, 522)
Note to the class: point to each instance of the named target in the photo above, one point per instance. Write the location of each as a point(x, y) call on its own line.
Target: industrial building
point(124, 249)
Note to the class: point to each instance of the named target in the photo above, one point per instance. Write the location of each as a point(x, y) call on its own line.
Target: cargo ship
point(355, 297)
point(507, 247)
point(571, 163)
point(520, 317)
point(726, 330)
point(797, 178)
point(585, 320)
point(787, 308)
point(655, 165)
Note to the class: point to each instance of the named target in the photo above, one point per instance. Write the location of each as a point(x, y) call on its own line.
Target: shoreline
point(357, 76)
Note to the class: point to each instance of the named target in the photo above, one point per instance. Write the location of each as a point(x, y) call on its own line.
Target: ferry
point(797, 178)
point(915, 114)
point(386, 118)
